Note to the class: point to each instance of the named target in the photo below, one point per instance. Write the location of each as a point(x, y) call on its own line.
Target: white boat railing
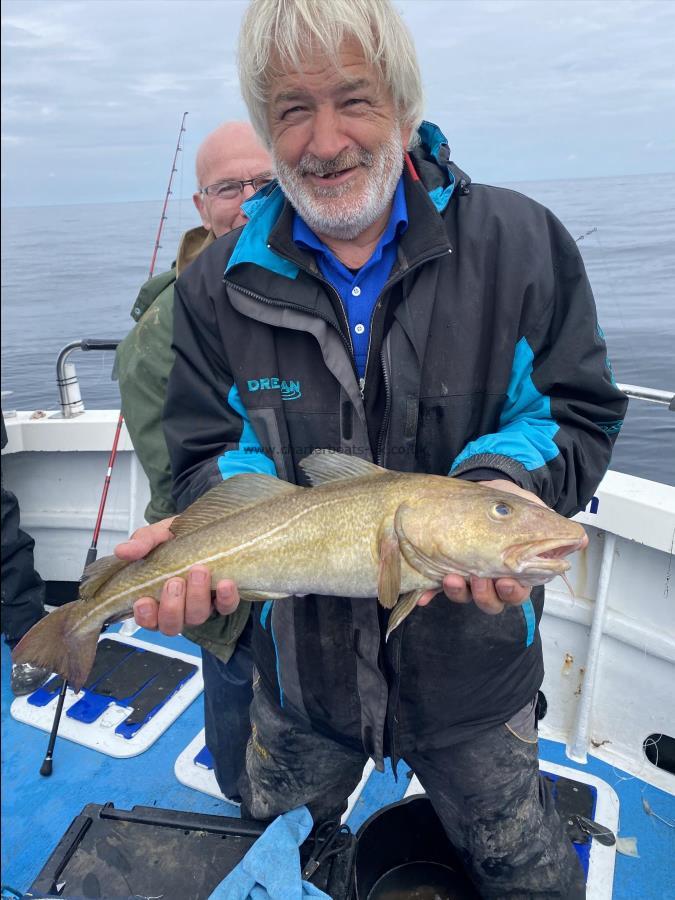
point(653, 395)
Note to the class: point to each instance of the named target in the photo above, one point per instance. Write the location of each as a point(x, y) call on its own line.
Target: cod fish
point(358, 531)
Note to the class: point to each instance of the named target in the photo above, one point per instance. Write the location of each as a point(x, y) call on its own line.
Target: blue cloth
point(271, 868)
point(359, 291)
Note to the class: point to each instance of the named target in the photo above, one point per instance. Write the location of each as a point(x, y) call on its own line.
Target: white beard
point(344, 210)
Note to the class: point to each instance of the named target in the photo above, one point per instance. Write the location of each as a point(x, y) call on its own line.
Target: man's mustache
point(348, 159)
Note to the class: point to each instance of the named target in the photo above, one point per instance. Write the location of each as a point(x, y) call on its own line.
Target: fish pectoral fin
point(230, 496)
point(97, 573)
point(403, 608)
point(389, 577)
point(324, 466)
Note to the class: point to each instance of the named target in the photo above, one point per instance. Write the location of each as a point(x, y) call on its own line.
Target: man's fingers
point(171, 617)
point(427, 598)
point(227, 597)
point(145, 539)
point(456, 589)
point(145, 613)
point(485, 596)
point(511, 592)
point(134, 548)
point(198, 596)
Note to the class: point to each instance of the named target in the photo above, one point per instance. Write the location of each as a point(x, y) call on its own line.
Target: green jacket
point(142, 365)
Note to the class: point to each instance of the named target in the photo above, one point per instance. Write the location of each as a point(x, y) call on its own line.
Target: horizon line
point(496, 183)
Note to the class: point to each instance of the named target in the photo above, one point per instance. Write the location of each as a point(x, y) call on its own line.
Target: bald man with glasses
point(231, 166)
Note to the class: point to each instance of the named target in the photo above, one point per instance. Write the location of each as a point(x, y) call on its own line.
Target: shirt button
point(356, 292)
point(359, 329)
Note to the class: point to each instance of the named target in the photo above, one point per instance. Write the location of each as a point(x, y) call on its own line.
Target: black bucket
point(403, 853)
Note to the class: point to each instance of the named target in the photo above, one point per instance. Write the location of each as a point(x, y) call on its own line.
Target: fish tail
point(60, 643)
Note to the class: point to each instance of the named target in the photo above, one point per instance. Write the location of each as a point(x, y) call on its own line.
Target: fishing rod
point(47, 764)
point(168, 194)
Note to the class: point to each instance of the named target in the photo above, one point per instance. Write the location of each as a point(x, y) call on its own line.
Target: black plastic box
point(150, 852)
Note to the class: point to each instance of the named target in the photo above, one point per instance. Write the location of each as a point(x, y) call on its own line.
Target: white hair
point(283, 30)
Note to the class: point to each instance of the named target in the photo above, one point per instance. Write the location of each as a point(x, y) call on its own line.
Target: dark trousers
point(486, 791)
point(227, 697)
point(23, 591)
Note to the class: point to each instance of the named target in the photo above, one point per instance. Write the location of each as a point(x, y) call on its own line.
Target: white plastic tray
point(100, 735)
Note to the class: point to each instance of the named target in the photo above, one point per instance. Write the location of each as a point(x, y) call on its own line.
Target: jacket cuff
point(500, 467)
point(483, 474)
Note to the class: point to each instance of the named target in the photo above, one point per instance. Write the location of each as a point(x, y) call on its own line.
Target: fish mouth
point(547, 557)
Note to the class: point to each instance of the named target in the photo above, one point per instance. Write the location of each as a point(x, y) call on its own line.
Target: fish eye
point(500, 510)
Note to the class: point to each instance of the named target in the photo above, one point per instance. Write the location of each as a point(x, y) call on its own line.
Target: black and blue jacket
point(485, 360)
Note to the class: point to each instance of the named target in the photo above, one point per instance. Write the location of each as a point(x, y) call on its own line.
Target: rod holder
point(70, 397)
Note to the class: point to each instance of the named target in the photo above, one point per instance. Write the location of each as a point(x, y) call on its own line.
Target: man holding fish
point(379, 305)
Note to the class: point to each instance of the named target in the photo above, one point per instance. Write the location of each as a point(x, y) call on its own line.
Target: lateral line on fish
point(223, 554)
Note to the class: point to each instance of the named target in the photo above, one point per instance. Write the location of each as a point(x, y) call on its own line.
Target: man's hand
point(489, 595)
point(184, 601)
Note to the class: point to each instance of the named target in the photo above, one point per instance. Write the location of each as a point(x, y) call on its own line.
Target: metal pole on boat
point(46, 767)
point(578, 744)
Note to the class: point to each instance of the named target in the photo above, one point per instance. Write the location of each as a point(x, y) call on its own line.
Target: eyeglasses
point(228, 190)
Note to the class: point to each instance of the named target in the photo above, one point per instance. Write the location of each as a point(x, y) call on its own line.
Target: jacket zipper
point(382, 437)
point(400, 275)
point(394, 731)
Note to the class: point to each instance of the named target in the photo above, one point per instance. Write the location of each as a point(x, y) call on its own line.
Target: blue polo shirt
point(358, 291)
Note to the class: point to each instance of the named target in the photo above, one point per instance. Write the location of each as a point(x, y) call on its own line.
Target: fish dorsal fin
point(230, 496)
point(324, 466)
point(97, 573)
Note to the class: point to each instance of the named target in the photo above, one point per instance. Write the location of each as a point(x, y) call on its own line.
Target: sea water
point(72, 272)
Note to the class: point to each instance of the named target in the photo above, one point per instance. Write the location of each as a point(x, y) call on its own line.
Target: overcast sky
point(94, 90)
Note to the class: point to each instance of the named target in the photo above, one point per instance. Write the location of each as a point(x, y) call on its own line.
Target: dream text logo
point(290, 390)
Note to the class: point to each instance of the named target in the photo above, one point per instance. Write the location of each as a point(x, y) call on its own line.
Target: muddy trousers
point(486, 791)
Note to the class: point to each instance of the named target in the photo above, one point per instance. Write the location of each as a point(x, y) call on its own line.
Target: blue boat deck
point(36, 811)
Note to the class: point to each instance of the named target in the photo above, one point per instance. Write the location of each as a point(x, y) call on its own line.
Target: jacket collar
point(191, 245)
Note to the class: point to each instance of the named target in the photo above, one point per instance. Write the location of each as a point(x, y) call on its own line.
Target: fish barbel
point(359, 531)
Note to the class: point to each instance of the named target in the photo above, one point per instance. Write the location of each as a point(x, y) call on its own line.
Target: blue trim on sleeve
point(248, 457)
point(526, 426)
point(530, 621)
point(252, 246)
